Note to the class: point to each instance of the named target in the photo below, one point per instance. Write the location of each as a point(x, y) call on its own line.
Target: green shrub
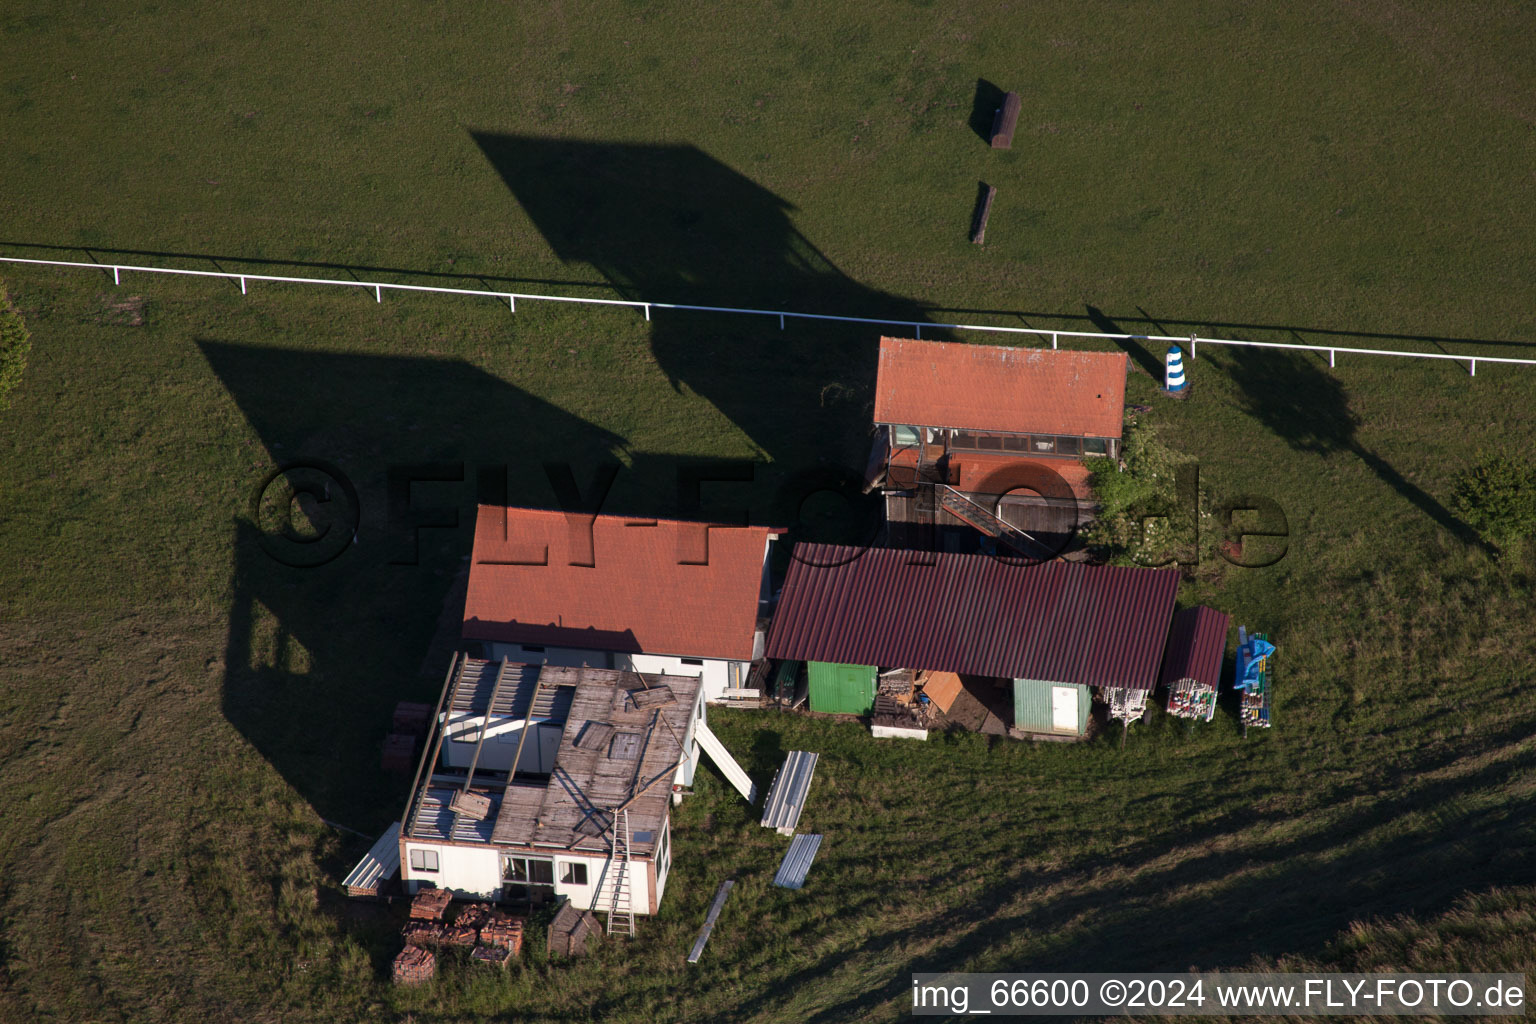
point(1497, 498)
point(1140, 519)
point(15, 344)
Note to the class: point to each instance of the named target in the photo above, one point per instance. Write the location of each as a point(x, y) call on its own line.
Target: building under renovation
point(540, 782)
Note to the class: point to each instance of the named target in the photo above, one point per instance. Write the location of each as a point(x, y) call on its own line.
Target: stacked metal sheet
point(787, 795)
point(379, 865)
point(797, 861)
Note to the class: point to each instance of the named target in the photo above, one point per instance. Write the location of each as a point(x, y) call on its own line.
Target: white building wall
point(501, 744)
point(470, 871)
point(582, 896)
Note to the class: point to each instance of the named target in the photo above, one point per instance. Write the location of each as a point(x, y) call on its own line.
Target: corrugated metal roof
point(380, 863)
point(993, 387)
point(974, 614)
point(797, 861)
point(787, 795)
point(1196, 646)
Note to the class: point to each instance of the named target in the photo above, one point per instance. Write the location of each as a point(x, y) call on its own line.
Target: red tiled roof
point(990, 387)
point(974, 614)
point(1196, 646)
point(636, 586)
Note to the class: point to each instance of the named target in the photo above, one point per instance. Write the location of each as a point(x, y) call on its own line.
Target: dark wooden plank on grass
point(1006, 121)
point(983, 211)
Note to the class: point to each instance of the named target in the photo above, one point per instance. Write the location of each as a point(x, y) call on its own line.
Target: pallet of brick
point(429, 904)
point(412, 719)
point(496, 956)
point(399, 757)
point(473, 916)
point(503, 930)
point(423, 933)
point(459, 935)
point(414, 965)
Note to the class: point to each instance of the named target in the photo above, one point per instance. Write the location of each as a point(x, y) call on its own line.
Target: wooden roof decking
point(572, 810)
point(548, 692)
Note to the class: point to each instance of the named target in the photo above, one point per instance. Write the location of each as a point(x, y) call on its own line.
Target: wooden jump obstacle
point(983, 211)
point(1005, 121)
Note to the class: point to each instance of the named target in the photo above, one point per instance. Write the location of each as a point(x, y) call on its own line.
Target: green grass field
point(181, 716)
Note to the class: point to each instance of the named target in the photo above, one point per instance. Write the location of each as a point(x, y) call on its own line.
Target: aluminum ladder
point(621, 912)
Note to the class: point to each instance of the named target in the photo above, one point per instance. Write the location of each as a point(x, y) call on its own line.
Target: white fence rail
point(511, 298)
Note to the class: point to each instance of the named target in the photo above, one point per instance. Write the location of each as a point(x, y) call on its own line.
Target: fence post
point(378, 293)
point(647, 311)
point(114, 276)
point(242, 286)
point(919, 328)
point(512, 302)
point(1053, 341)
point(1474, 367)
point(1330, 358)
point(781, 321)
point(1192, 352)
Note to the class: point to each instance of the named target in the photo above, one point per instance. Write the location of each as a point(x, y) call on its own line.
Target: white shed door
point(1064, 708)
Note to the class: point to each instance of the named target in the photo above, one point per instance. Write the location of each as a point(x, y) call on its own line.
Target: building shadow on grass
point(336, 594)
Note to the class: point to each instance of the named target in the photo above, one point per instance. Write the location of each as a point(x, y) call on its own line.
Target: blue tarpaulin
point(1257, 651)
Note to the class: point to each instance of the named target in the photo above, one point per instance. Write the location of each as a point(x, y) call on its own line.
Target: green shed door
point(841, 689)
point(1040, 705)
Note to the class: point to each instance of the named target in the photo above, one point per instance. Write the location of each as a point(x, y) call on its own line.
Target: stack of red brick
point(414, 965)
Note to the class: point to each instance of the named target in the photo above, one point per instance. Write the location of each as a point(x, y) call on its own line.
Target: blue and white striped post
point(1173, 375)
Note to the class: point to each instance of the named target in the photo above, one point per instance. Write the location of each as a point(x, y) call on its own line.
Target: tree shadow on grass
point(1183, 901)
point(1297, 400)
point(669, 223)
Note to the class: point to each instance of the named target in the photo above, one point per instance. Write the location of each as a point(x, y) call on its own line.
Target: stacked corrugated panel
point(791, 786)
point(797, 861)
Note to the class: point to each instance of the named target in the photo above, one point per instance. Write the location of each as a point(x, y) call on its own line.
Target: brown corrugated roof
point(991, 387)
point(973, 614)
point(635, 586)
point(1197, 643)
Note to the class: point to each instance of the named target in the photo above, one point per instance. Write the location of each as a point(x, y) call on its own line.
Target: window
point(528, 870)
point(573, 874)
point(423, 860)
point(692, 661)
point(661, 848)
point(963, 439)
point(1068, 445)
point(1045, 444)
point(469, 732)
point(989, 443)
point(1095, 446)
point(1016, 443)
point(532, 648)
point(903, 435)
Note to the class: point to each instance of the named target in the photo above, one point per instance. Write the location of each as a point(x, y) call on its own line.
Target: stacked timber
point(460, 935)
point(414, 965)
